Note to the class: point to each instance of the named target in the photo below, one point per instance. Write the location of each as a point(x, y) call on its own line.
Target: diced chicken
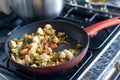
point(62, 55)
point(40, 31)
point(43, 64)
point(34, 65)
point(35, 45)
point(48, 29)
point(19, 44)
point(69, 55)
point(15, 50)
point(56, 40)
point(49, 50)
point(41, 38)
point(48, 26)
point(45, 56)
point(12, 44)
point(52, 31)
point(32, 50)
point(28, 59)
point(21, 62)
point(24, 51)
point(36, 39)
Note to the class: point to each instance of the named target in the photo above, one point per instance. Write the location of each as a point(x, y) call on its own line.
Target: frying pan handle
point(91, 30)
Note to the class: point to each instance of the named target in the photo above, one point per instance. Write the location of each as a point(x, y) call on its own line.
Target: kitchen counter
point(97, 67)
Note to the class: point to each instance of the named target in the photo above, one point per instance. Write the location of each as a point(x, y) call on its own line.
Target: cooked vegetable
point(38, 49)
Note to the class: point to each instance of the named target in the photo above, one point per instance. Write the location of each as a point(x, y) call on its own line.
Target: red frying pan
point(72, 30)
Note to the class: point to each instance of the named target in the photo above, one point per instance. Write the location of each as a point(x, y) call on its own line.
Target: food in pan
point(39, 49)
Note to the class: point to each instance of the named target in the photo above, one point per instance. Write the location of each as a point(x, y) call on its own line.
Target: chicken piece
point(56, 40)
point(21, 62)
point(62, 55)
point(45, 56)
point(35, 45)
point(36, 39)
point(40, 38)
point(15, 50)
point(12, 44)
point(43, 64)
point(24, 51)
point(33, 65)
point(28, 37)
point(69, 55)
point(32, 50)
point(52, 31)
point(40, 31)
point(19, 44)
point(48, 29)
point(48, 50)
point(48, 26)
point(28, 59)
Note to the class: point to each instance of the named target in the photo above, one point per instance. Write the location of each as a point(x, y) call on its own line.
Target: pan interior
point(72, 30)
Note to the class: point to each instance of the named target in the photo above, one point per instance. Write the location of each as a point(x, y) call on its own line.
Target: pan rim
point(65, 63)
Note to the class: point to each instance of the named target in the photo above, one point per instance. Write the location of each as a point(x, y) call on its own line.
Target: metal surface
point(44, 9)
point(5, 6)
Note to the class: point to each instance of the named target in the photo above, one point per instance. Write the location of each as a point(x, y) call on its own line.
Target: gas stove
point(74, 12)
